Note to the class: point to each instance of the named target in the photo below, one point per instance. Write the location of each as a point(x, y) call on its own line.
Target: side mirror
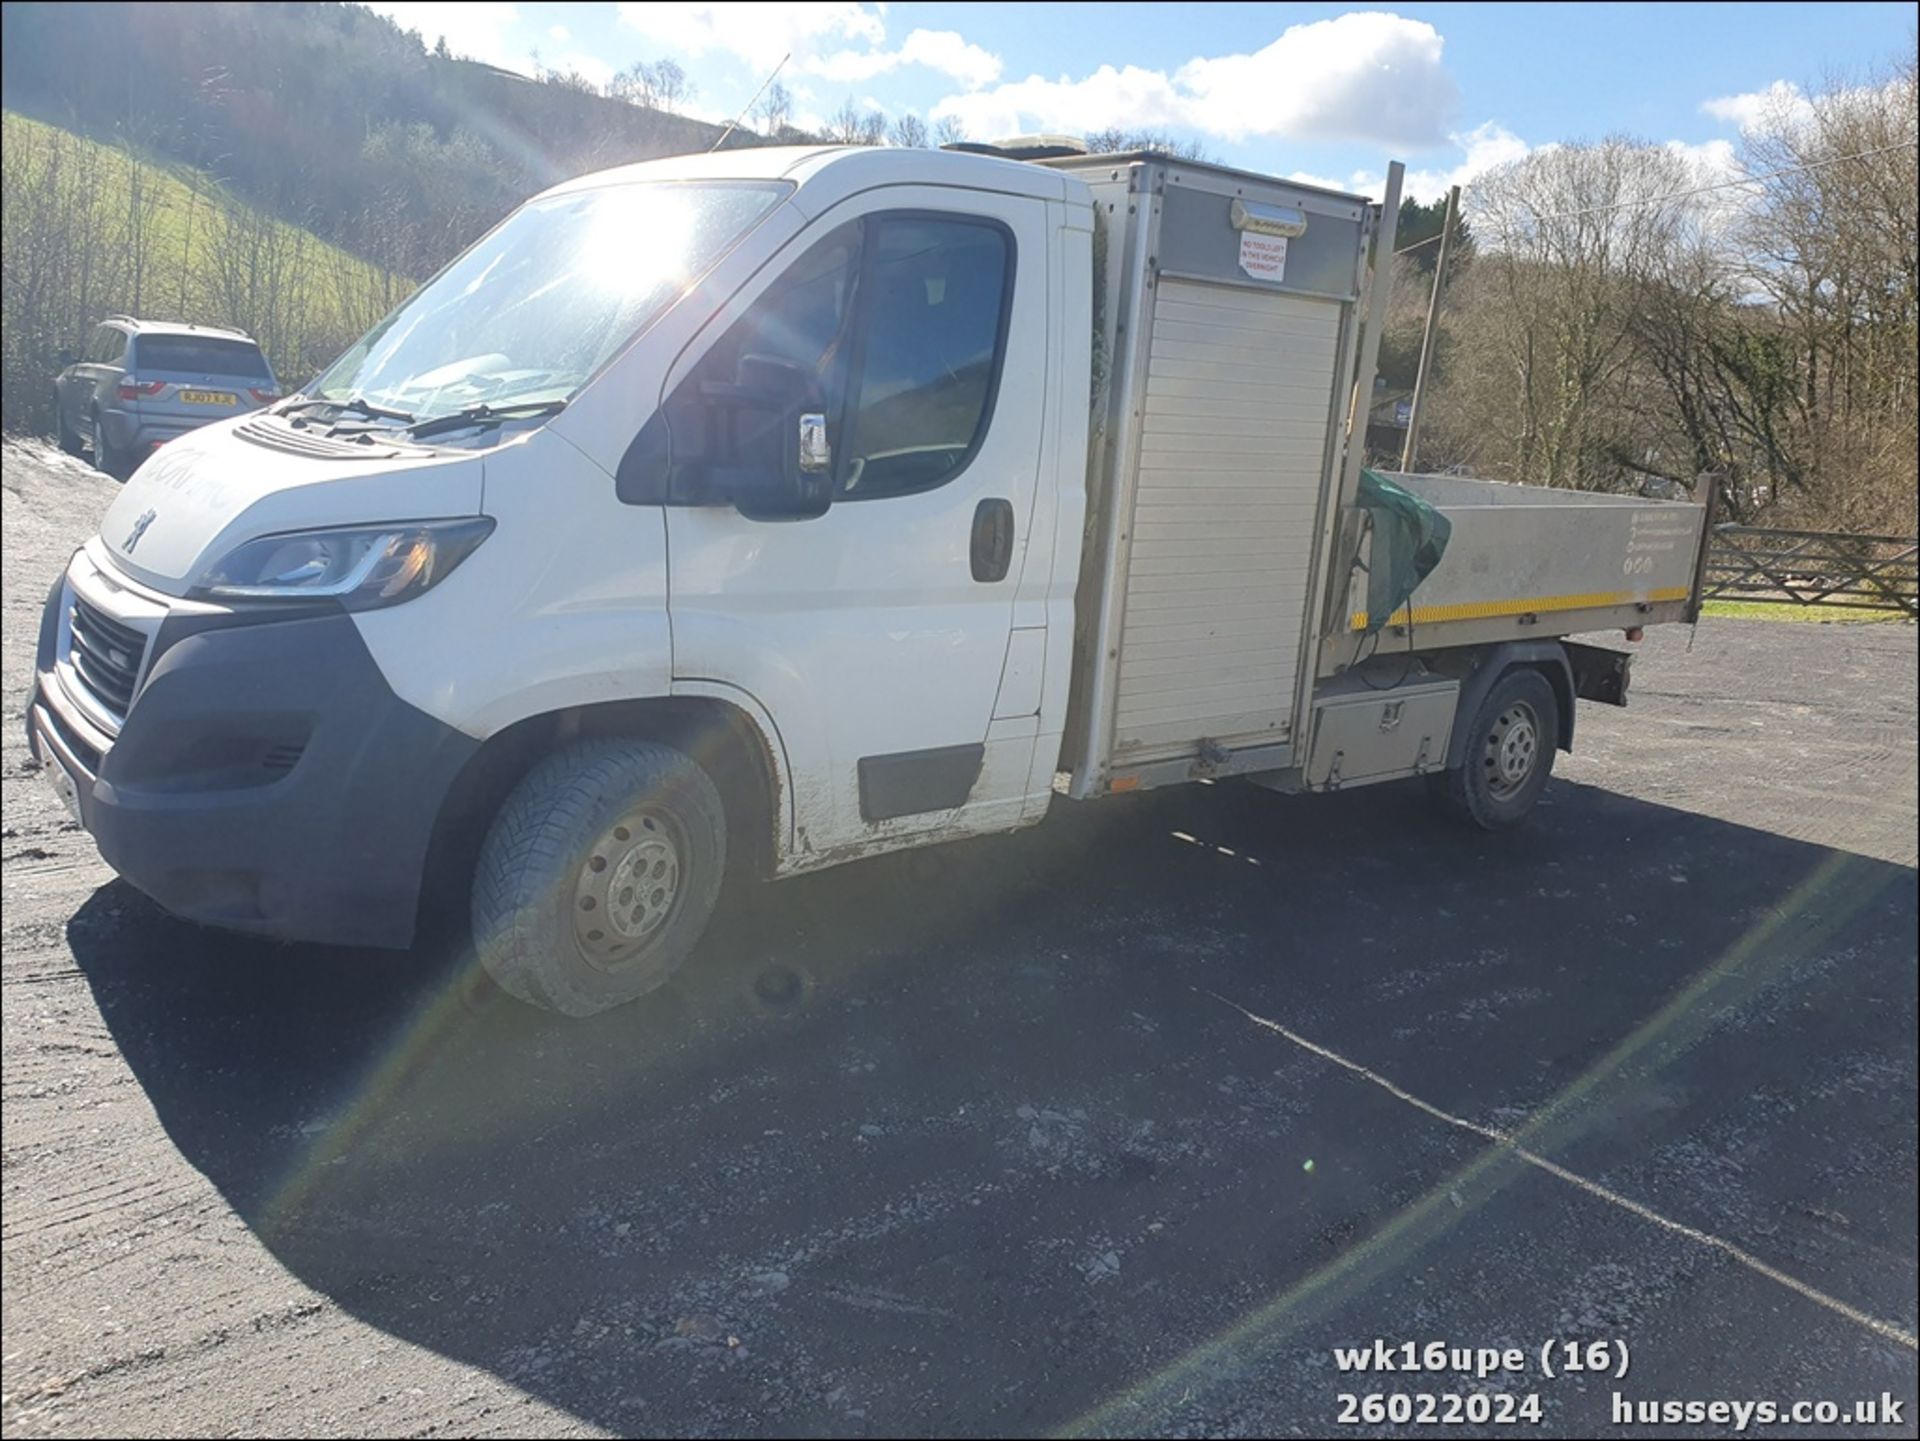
point(801, 487)
point(782, 466)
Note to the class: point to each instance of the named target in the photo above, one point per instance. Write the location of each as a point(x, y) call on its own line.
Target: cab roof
point(827, 174)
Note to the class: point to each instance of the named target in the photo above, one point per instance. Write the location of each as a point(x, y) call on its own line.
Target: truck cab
point(737, 497)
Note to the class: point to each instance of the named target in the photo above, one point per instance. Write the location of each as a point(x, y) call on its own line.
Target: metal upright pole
point(1379, 283)
point(1410, 451)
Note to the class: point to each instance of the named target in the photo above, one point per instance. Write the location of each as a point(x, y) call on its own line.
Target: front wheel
point(599, 875)
point(1511, 739)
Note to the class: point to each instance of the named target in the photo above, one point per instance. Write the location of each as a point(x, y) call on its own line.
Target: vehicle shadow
point(853, 1171)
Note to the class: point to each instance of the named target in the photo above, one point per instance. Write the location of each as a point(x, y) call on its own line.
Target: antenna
point(734, 124)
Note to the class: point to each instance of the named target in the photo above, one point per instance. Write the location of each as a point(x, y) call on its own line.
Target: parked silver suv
point(140, 383)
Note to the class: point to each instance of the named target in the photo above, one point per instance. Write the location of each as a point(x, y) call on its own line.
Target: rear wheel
point(599, 875)
point(106, 459)
point(1509, 754)
point(70, 440)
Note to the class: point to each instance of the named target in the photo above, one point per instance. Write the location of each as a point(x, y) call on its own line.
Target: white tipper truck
point(781, 507)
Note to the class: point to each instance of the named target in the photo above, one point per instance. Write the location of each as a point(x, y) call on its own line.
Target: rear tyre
point(599, 875)
point(1509, 754)
point(70, 440)
point(106, 459)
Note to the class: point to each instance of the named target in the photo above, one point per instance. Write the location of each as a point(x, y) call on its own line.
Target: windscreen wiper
point(483, 414)
point(353, 404)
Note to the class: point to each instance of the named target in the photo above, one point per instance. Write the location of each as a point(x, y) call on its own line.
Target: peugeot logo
point(139, 529)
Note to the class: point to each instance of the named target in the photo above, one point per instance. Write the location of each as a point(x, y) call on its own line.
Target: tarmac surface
point(1119, 1125)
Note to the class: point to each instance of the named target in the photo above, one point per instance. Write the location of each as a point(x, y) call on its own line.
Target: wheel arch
point(1483, 670)
point(727, 740)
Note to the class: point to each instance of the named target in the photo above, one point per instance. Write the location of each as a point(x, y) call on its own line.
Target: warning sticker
point(1264, 257)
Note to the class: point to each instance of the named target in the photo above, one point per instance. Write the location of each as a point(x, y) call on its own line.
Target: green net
point(1409, 537)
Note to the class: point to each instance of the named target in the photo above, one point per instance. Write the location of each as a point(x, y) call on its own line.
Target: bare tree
point(1576, 236)
point(1833, 244)
point(671, 87)
point(775, 110)
point(854, 124)
point(949, 130)
point(910, 131)
point(1160, 142)
point(635, 84)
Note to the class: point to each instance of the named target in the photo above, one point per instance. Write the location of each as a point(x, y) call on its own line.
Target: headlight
point(362, 567)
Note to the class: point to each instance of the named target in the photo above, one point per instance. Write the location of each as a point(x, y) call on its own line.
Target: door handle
point(992, 550)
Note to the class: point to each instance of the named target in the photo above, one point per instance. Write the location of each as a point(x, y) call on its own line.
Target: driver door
point(876, 634)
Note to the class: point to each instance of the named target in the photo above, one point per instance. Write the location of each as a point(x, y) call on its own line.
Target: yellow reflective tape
point(1492, 609)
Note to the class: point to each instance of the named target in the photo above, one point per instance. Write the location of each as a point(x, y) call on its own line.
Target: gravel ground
point(1057, 1132)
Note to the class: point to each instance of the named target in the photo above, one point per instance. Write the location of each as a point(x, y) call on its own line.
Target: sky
point(1320, 92)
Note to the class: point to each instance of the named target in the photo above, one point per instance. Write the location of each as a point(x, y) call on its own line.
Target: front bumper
point(265, 778)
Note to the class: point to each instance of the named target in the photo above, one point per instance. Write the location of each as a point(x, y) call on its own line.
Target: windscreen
point(538, 305)
point(201, 355)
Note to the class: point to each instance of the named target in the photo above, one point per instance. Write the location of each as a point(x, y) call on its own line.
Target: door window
point(930, 353)
point(893, 327)
point(796, 339)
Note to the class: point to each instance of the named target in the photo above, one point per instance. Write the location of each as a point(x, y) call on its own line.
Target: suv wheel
point(106, 459)
point(70, 440)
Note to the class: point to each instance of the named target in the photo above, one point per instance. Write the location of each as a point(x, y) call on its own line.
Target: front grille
point(106, 655)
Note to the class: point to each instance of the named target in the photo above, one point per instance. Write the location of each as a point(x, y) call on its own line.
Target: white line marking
point(1500, 1138)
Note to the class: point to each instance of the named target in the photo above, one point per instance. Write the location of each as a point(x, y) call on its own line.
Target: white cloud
point(1131, 98)
point(1485, 145)
point(592, 67)
point(1366, 76)
point(477, 31)
point(1713, 162)
point(757, 33)
point(1324, 182)
point(943, 50)
point(560, 33)
point(838, 40)
point(1748, 111)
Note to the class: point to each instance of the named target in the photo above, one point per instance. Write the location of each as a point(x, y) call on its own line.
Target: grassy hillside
point(328, 115)
point(91, 229)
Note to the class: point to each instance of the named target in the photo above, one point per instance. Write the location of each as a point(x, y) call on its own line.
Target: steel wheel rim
point(1513, 750)
point(628, 887)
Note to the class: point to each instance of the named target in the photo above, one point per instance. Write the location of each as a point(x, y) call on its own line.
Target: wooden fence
point(1813, 567)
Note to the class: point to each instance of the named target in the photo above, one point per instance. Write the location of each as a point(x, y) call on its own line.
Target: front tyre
point(1511, 739)
point(599, 875)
